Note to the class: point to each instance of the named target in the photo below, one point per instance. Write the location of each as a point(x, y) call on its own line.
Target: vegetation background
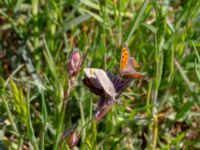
point(37, 38)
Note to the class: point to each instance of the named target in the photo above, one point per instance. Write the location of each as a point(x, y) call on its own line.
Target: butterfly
point(107, 86)
point(99, 82)
point(128, 65)
point(104, 105)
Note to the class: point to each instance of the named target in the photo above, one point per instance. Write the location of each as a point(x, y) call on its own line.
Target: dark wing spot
point(126, 54)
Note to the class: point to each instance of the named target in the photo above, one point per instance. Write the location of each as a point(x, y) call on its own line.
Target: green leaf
point(184, 109)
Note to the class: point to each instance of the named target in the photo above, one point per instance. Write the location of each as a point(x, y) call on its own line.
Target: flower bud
point(71, 136)
point(74, 63)
point(73, 140)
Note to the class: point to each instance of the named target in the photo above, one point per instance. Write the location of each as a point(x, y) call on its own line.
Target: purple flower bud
point(73, 140)
point(74, 63)
point(71, 136)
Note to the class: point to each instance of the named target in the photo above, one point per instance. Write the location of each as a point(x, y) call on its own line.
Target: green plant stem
point(137, 20)
point(149, 97)
point(119, 24)
point(59, 129)
point(83, 120)
point(187, 81)
point(44, 122)
point(155, 132)
point(60, 121)
point(35, 19)
point(10, 115)
point(30, 129)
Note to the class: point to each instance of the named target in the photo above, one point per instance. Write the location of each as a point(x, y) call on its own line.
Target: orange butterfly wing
point(135, 75)
point(125, 54)
point(134, 62)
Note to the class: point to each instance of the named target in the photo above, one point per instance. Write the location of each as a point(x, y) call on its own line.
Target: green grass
point(36, 40)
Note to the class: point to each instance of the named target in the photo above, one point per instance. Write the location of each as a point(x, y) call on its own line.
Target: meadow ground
point(43, 102)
